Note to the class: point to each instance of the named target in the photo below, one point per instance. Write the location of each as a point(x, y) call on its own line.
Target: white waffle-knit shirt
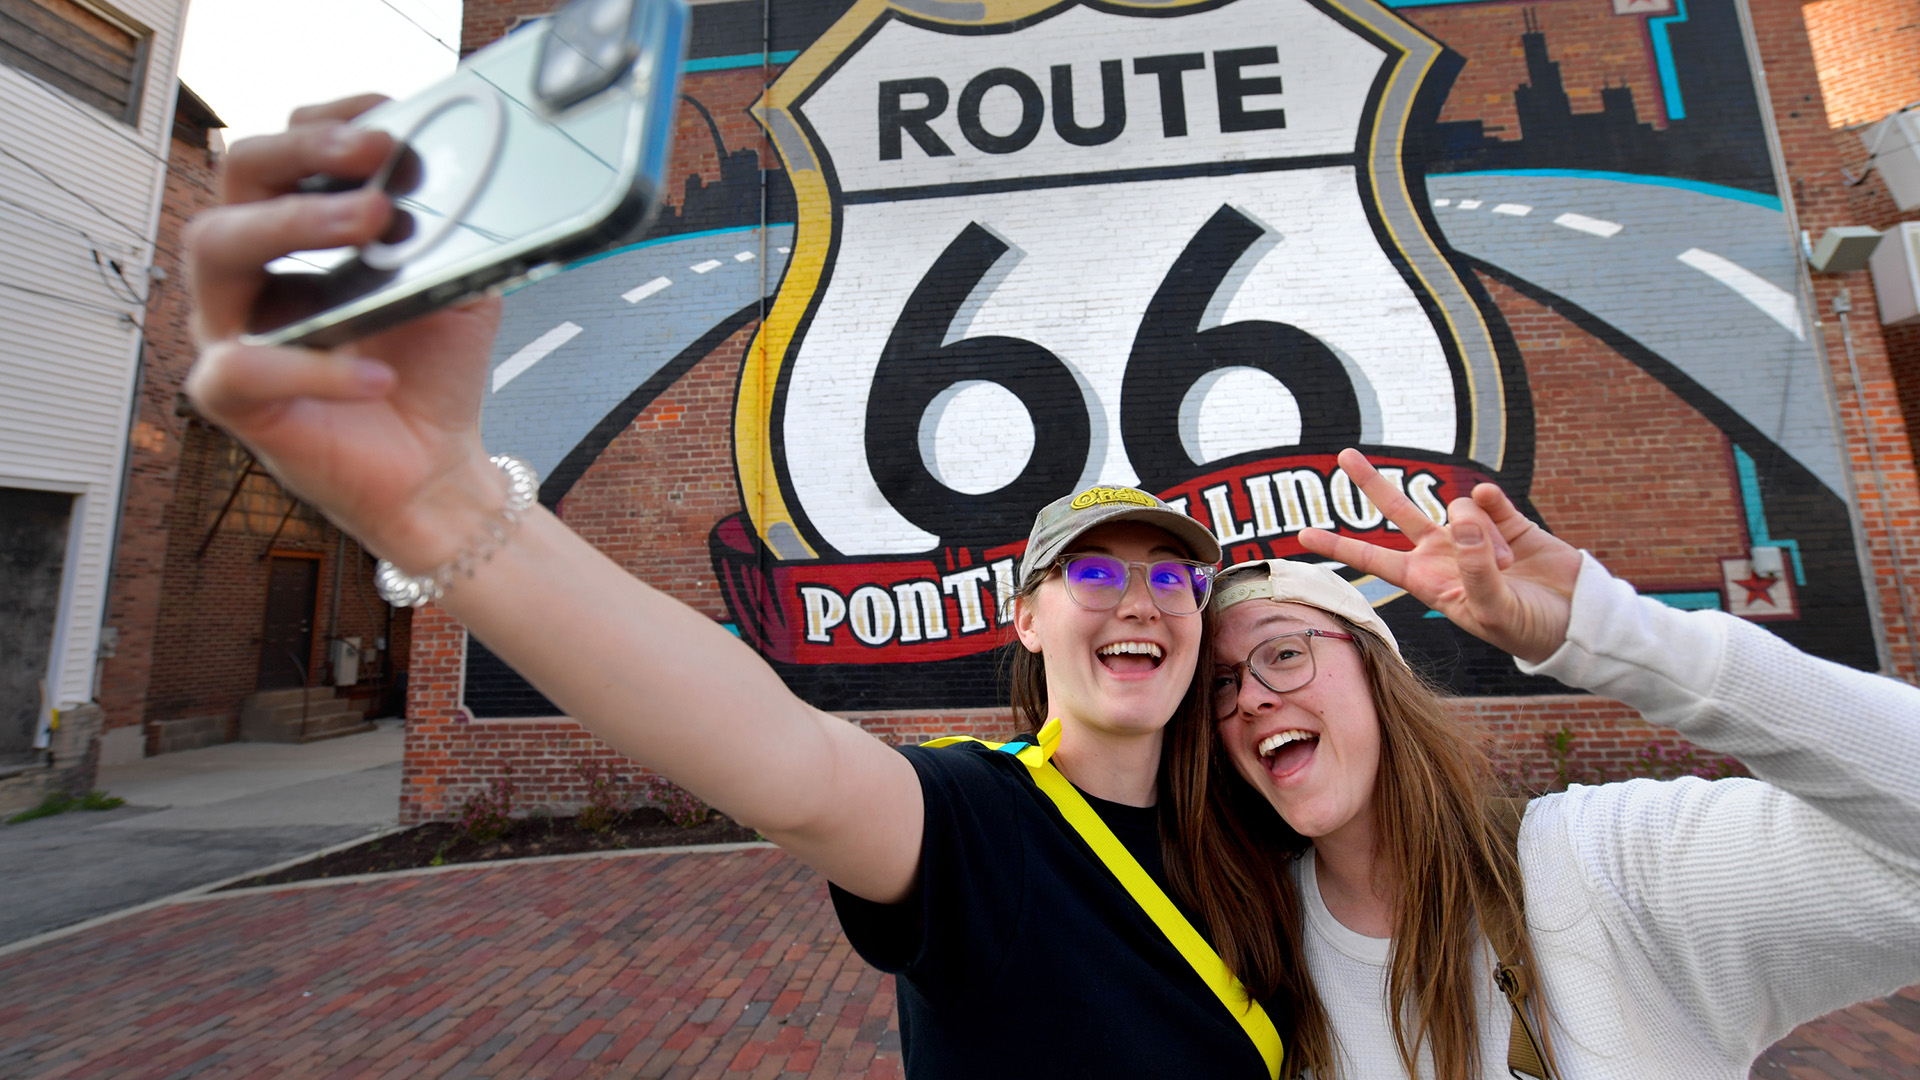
point(1682, 927)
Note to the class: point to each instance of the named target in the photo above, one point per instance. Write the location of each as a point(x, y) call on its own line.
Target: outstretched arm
point(1489, 569)
point(383, 436)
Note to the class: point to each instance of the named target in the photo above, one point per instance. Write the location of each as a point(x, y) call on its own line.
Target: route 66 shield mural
point(1164, 245)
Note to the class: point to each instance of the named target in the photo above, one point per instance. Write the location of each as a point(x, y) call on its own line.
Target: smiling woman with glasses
point(1097, 582)
point(1281, 663)
point(1350, 847)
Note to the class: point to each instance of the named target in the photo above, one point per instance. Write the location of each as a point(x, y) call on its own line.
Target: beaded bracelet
point(400, 589)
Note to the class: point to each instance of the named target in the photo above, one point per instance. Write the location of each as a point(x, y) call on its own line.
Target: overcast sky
point(253, 61)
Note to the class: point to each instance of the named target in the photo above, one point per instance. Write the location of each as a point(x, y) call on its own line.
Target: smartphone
point(545, 146)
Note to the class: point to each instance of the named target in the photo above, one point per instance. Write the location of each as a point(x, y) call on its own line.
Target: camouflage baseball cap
point(1067, 518)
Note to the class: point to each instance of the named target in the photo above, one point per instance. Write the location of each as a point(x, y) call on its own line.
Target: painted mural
point(1004, 249)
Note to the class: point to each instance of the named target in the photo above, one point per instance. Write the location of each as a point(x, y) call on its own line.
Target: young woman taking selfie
point(1646, 929)
point(1012, 889)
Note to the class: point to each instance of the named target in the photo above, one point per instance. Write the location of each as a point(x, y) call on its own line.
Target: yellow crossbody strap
point(1145, 891)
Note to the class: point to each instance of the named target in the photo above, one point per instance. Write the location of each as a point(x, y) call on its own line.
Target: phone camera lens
point(610, 16)
point(588, 46)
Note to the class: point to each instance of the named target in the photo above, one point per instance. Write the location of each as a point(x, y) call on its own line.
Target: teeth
point(1137, 648)
point(1274, 742)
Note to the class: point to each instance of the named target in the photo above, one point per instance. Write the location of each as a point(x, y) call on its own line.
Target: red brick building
point(205, 534)
point(1554, 244)
point(1867, 55)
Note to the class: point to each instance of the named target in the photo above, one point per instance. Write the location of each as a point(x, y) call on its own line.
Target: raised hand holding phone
point(1491, 571)
point(377, 433)
point(352, 228)
point(545, 146)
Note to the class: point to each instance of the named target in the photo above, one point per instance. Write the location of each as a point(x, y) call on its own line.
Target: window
point(81, 47)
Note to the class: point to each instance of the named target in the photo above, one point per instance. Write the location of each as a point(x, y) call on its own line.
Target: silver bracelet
point(400, 589)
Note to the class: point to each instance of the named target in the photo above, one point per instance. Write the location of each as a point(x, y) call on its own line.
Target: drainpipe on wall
point(333, 608)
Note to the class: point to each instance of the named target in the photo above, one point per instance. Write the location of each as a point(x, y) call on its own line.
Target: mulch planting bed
point(441, 843)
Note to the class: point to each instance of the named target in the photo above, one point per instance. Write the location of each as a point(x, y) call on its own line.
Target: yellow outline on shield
point(760, 489)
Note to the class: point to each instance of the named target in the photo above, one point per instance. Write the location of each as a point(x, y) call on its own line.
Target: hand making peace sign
point(1496, 574)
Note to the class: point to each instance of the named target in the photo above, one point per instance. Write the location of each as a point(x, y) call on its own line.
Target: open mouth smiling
point(1284, 752)
point(1130, 657)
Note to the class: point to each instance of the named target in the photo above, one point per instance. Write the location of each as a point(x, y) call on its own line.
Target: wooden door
point(286, 640)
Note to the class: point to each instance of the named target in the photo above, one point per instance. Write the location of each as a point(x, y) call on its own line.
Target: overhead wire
point(115, 312)
point(101, 262)
point(82, 199)
point(422, 29)
point(100, 266)
point(69, 226)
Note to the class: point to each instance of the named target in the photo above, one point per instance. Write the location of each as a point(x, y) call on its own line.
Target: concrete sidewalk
point(676, 965)
point(193, 818)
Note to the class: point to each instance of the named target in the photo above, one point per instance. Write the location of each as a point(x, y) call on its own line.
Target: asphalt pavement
point(192, 819)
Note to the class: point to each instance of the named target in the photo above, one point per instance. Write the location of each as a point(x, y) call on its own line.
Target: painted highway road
point(574, 346)
point(1735, 325)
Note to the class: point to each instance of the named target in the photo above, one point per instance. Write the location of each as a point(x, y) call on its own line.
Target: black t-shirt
point(1020, 954)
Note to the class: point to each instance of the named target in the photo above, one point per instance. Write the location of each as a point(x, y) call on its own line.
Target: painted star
point(1759, 589)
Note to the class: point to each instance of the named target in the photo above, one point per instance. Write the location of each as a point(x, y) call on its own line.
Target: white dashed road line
point(1443, 202)
point(1469, 204)
point(783, 251)
point(703, 267)
point(1776, 303)
point(641, 292)
point(534, 352)
point(1513, 209)
point(1585, 224)
point(745, 256)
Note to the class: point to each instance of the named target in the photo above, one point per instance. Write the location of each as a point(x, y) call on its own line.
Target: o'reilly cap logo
point(1099, 495)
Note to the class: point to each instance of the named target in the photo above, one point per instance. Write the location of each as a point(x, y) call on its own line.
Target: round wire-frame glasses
point(1282, 663)
point(1098, 582)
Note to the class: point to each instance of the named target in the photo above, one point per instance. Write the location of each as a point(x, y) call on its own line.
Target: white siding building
point(86, 108)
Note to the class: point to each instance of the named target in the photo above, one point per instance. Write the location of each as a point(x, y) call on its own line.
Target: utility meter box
point(1896, 274)
point(1895, 146)
point(346, 660)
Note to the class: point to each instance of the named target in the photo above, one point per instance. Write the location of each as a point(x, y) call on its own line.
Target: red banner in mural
point(954, 602)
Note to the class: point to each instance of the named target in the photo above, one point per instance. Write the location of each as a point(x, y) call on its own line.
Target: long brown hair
point(1458, 875)
point(1027, 671)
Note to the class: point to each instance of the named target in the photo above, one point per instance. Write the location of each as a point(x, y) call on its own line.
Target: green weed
point(60, 802)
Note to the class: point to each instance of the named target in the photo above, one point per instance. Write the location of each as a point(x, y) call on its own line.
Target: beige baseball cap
point(1291, 581)
point(1067, 518)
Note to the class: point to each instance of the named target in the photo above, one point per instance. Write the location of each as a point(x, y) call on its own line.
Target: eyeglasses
point(1177, 586)
point(1282, 664)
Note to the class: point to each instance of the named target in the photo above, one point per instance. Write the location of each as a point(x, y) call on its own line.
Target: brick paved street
point(657, 965)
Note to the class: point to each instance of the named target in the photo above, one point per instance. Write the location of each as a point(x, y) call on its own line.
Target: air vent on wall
point(1894, 144)
point(1896, 274)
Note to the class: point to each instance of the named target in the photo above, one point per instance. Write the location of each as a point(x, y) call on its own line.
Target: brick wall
point(1868, 54)
point(206, 655)
point(1623, 463)
point(1615, 492)
point(189, 585)
point(1870, 412)
point(482, 21)
point(155, 445)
